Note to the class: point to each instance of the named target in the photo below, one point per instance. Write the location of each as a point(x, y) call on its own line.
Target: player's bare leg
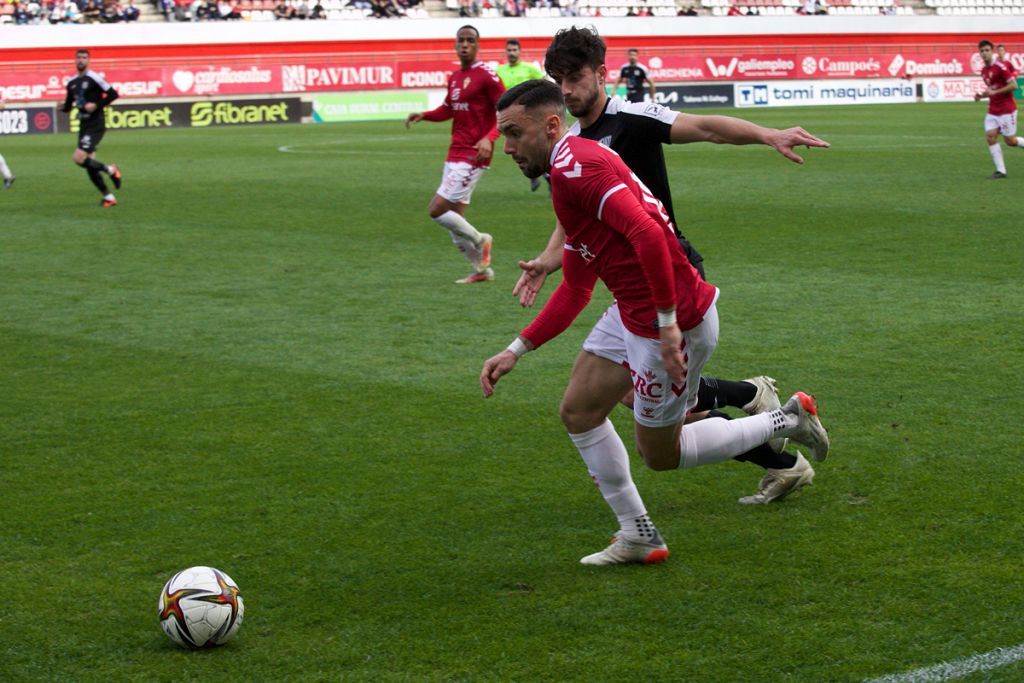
point(595, 387)
point(475, 245)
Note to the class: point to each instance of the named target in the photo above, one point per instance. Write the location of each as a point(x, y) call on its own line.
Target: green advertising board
point(369, 106)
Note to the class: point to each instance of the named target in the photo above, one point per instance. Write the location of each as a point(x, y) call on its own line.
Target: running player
point(473, 91)
point(618, 232)
point(1001, 119)
point(5, 170)
point(634, 74)
point(575, 60)
point(89, 94)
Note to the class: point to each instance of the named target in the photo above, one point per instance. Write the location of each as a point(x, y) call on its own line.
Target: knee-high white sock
point(467, 248)
point(605, 455)
point(714, 439)
point(997, 156)
point(1020, 141)
point(458, 225)
point(4, 170)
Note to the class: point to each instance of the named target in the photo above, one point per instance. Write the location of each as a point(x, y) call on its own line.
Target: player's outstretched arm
point(414, 117)
point(733, 131)
point(536, 270)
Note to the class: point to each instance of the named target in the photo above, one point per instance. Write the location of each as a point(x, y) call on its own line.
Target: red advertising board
point(290, 74)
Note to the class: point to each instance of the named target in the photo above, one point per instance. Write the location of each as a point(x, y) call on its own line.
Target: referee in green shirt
point(515, 72)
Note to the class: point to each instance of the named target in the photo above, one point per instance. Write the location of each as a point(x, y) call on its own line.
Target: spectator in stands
point(734, 11)
point(688, 12)
point(318, 11)
point(283, 11)
point(132, 11)
point(1003, 58)
point(111, 13)
point(302, 10)
point(72, 15)
point(91, 13)
point(20, 14)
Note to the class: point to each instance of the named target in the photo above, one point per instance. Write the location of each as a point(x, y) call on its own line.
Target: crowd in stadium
point(73, 11)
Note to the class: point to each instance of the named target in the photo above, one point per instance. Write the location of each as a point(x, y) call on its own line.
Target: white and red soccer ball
point(200, 607)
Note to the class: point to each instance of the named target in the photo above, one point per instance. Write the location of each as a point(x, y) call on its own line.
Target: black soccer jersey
point(89, 87)
point(634, 76)
point(636, 131)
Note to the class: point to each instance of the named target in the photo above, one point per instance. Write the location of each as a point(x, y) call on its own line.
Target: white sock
point(605, 455)
point(997, 156)
point(715, 439)
point(4, 170)
point(458, 225)
point(108, 197)
point(467, 248)
point(1020, 141)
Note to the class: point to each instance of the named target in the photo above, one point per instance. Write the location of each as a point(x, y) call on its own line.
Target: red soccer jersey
point(615, 230)
point(471, 104)
point(997, 75)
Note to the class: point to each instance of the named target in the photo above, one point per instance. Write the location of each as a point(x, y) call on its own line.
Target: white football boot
point(808, 430)
point(777, 484)
point(766, 399)
point(485, 275)
point(627, 551)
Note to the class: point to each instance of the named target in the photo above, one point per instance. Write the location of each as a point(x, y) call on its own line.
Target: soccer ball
point(200, 607)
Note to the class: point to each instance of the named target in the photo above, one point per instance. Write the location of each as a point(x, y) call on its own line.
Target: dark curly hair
point(571, 50)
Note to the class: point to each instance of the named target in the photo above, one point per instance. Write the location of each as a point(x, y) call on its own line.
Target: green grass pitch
point(259, 361)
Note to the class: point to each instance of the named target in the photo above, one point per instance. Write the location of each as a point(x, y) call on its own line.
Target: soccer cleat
point(485, 253)
point(115, 176)
point(808, 430)
point(997, 176)
point(765, 400)
point(534, 184)
point(108, 202)
point(630, 551)
point(479, 276)
point(8, 182)
point(777, 484)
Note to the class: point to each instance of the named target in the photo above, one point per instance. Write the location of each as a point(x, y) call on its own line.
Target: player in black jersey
point(89, 94)
point(634, 74)
point(637, 131)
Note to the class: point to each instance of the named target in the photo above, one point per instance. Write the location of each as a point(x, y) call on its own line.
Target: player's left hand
point(672, 353)
point(90, 107)
point(484, 149)
point(783, 141)
point(495, 368)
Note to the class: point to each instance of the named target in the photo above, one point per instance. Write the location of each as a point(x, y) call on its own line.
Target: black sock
point(718, 393)
point(765, 457)
point(97, 179)
point(92, 164)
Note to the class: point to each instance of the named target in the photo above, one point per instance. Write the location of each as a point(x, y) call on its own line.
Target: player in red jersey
point(1002, 110)
point(473, 92)
point(656, 336)
point(1003, 57)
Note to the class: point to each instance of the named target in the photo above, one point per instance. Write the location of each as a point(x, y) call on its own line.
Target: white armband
point(666, 319)
point(517, 347)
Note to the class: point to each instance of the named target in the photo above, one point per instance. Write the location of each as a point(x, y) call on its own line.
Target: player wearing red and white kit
point(473, 91)
point(1000, 81)
point(655, 338)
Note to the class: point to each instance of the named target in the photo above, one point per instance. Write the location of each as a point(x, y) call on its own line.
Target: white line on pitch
point(958, 668)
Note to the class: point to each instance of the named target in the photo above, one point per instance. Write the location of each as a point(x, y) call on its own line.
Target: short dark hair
point(532, 94)
point(81, 51)
point(984, 43)
point(571, 50)
point(512, 41)
point(633, 49)
point(468, 26)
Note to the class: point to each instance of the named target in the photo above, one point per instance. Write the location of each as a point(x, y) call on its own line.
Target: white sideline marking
point(958, 668)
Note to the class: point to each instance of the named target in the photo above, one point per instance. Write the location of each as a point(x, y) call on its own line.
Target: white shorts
point(458, 180)
point(657, 402)
point(1007, 123)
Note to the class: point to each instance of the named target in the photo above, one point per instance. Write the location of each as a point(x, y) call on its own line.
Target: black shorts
point(696, 260)
point(89, 139)
point(637, 96)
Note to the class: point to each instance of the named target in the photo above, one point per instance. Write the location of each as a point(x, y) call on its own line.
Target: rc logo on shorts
point(645, 387)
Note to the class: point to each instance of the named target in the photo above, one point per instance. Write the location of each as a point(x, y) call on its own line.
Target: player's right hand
point(672, 353)
point(412, 118)
point(494, 368)
point(530, 282)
